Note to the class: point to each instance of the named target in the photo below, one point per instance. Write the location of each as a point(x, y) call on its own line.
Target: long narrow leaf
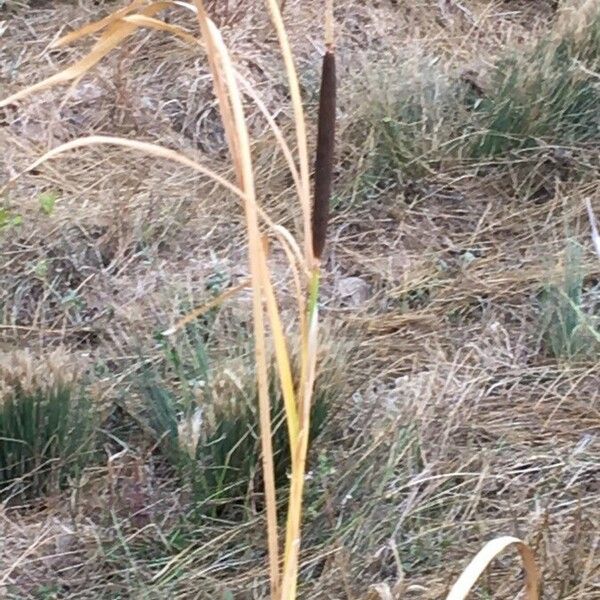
point(223, 99)
point(240, 141)
point(146, 147)
point(281, 356)
point(300, 125)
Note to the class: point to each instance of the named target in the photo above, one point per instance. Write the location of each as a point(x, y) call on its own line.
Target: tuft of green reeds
point(570, 331)
point(46, 424)
point(548, 99)
point(205, 421)
point(535, 116)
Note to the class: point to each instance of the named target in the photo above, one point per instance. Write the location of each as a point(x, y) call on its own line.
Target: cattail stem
point(329, 38)
point(325, 153)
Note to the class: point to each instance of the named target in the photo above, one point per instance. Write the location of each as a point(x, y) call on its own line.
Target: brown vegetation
point(459, 291)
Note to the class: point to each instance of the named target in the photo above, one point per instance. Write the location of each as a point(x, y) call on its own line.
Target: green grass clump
point(570, 329)
point(205, 419)
point(410, 125)
point(46, 425)
point(534, 115)
point(549, 98)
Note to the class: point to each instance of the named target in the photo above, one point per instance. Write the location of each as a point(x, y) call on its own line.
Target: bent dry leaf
point(152, 23)
point(146, 147)
point(96, 26)
point(460, 590)
point(112, 37)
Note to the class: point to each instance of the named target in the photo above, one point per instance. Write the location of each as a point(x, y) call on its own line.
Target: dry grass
point(455, 424)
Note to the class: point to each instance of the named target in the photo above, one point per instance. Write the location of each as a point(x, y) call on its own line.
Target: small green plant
point(569, 330)
point(9, 219)
point(47, 202)
point(46, 424)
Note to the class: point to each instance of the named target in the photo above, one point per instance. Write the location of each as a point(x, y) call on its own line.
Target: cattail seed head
point(325, 153)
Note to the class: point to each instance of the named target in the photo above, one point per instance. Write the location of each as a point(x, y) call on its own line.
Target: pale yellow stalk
point(241, 145)
point(308, 341)
point(299, 450)
point(300, 126)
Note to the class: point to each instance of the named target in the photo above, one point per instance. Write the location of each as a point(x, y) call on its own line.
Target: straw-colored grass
point(454, 424)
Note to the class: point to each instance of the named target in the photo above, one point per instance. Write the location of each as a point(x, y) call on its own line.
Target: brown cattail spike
point(325, 153)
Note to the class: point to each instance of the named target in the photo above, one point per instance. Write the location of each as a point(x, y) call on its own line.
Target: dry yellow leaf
point(477, 566)
point(112, 37)
point(96, 25)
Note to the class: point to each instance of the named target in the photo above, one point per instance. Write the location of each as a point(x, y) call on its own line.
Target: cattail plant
point(305, 263)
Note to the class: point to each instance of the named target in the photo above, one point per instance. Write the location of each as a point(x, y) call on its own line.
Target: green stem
point(313, 297)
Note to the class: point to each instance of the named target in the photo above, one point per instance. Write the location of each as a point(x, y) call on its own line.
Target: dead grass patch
point(456, 426)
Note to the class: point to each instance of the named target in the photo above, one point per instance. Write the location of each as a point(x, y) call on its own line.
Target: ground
point(460, 298)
